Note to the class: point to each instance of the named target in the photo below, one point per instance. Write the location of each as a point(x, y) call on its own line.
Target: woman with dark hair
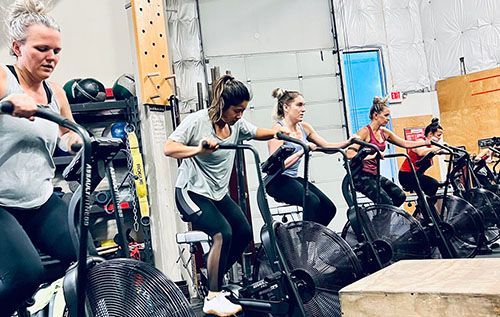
point(32, 216)
point(201, 192)
point(288, 187)
point(429, 185)
point(365, 180)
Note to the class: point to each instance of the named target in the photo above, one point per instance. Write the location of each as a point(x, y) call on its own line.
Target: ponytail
point(227, 92)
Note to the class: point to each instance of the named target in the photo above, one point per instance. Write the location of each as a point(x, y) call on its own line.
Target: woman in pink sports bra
point(365, 180)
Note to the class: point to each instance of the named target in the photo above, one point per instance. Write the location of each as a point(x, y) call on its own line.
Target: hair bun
point(435, 121)
point(278, 93)
point(21, 7)
point(26, 7)
point(377, 100)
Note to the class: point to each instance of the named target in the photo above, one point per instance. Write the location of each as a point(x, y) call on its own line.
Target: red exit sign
point(396, 97)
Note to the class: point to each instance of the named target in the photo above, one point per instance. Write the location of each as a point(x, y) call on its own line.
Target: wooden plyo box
point(454, 288)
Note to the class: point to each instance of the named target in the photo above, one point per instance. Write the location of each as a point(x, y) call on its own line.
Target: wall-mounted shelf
point(99, 106)
point(101, 114)
point(64, 160)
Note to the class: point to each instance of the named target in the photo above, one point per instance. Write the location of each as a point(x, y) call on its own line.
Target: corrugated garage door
point(313, 73)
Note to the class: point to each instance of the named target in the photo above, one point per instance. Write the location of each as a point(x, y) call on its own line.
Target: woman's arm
point(24, 105)
point(267, 134)
point(364, 135)
point(396, 140)
point(317, 139)
point(423, 151)
point(274, 144)
point(3, 83)
point(67, 137)
point(179, 151)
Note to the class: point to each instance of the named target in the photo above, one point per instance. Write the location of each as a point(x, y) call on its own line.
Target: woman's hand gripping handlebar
point(366, 149)
point(207, 146)
point(282, 136)
point(8, 107)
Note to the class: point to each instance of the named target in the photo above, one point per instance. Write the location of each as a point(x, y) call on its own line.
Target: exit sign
point(396, 97)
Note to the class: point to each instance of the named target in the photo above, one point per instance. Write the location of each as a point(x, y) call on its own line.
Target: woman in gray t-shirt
point(202, 184)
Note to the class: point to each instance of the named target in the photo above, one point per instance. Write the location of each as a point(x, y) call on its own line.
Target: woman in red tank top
point(365, 180)
point(429, 185)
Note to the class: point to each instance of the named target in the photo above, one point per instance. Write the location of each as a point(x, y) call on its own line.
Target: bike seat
point(192, 237)
point(409, 190)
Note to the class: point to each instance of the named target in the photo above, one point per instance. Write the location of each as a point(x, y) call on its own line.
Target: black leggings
point(21, 232)
point(429, 185)
point(225, 222)
point(390, 193)
point(290, 190)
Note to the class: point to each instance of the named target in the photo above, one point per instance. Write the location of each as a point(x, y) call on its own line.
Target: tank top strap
point(384, 137)
point(372, 134)
point(304, 133)
point(46, 87)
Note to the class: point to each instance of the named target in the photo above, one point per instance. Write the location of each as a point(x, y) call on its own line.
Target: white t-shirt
point(208, 175)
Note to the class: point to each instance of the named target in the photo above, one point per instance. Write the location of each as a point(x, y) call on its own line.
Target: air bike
point(94, 287)
point(433, 237)
point(469, 197)
point(301, 265)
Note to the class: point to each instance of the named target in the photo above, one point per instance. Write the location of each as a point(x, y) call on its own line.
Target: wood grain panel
point(155, 81)
point(445, 288)
point(470, 107)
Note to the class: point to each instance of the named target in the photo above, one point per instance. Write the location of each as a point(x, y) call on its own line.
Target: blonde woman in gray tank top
point(31, 216)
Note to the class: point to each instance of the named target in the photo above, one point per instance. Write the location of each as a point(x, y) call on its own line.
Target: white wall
point(95, 40)
point(417, 104)
point(258, 26)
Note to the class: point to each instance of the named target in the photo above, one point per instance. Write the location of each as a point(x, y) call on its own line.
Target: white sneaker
point(220, 306)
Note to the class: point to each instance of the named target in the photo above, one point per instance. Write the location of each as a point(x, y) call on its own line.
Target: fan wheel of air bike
point(130, 288)
point(321, 264)
point(466, 222)
point(488, 205)
point(404, 233)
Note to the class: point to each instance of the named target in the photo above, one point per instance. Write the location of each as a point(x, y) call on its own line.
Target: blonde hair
point(227, 92)
point(24, 13)
point(283, 97)
point(378, 105)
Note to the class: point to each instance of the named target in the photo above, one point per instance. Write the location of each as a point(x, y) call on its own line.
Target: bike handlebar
point(6, 107)
point(494, 150)
point(284, 137)
point(443, 147)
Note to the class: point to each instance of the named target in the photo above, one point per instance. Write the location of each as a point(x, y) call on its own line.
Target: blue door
point(364, 77)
